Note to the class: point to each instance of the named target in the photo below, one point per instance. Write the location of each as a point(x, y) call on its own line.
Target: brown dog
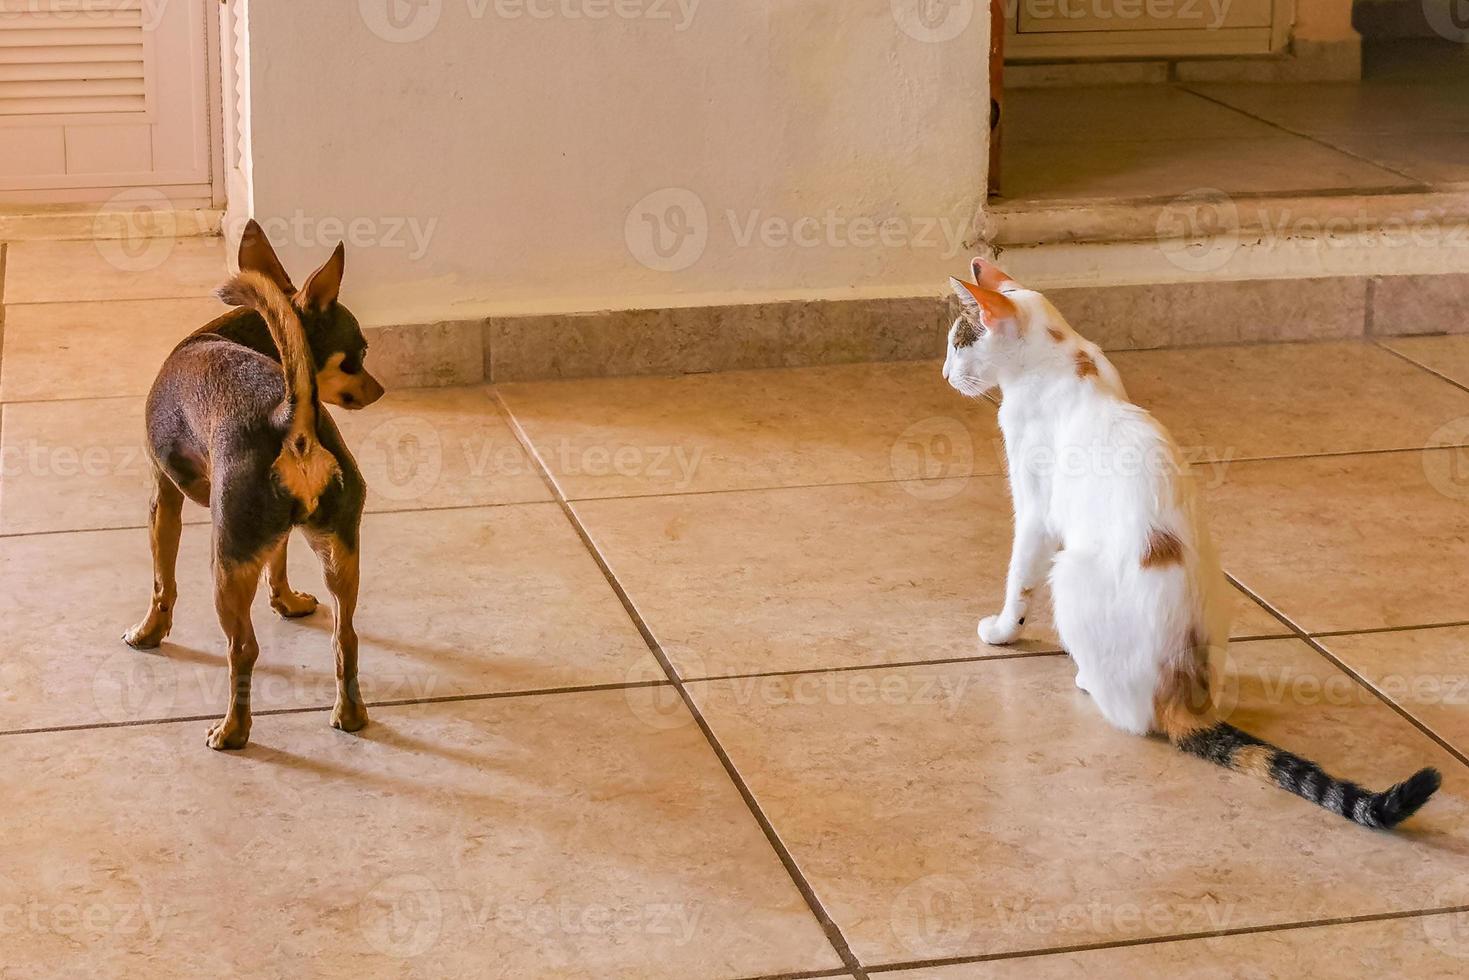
point(235, 423)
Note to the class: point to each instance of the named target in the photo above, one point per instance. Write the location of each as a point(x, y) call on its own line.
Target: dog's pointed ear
point(991, 276)
point(257, 255)
point(985, 307)
point(321, 290)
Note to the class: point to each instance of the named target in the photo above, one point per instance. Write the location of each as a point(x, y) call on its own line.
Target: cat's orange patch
point(996, 309)
point(1164, 548)
point(1055, 334)
point(1254, 759)
point(1085, 366)
point(1181, 702)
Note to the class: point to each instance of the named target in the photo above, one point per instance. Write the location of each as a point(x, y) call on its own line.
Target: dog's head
point(337, 344)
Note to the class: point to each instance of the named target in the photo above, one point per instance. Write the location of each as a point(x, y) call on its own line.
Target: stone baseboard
point(717, 338)
point(693, 340)
point(1306, 61)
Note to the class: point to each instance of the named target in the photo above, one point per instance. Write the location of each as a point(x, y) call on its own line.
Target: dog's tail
point(1198, 734)
point(305, 467)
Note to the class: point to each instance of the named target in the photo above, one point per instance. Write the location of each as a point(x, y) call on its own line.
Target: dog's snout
point(371, 391)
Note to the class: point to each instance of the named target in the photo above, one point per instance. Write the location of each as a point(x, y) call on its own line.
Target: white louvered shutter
point(62, 57)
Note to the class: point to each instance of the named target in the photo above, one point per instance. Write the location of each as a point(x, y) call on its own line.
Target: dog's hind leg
point(234, 590)
point(165, 523)
point(284, 600)
point(339, 564)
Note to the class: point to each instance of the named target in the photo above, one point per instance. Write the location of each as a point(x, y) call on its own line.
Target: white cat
point(1104, 501)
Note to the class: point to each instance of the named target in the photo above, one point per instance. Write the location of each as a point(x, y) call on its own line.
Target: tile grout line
point(776, 488)
point(1419, 185)
point(593, 688)
point(1181, 937)
point(802, 975)
point(313, 709)
point(17, 535)
point(1341, 665)
point(1420, 365)
point(1374, 630)
point(833, 931)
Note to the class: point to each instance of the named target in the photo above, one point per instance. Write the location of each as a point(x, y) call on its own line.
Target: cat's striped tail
point(1227, 746)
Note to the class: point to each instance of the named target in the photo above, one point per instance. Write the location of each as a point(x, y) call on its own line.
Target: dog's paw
point(998, 631)
point(228, 735)
point(349, 716)
point(293, 605)
point(145, 636)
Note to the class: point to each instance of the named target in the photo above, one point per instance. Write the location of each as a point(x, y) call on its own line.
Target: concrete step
point(1209, 268)
point(130, 214)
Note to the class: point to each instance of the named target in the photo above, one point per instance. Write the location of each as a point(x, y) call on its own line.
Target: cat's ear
point(985, 307)
point(991, 276)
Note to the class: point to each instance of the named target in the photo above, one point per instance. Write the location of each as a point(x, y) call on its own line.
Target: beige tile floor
point(830, 776)
point(1161, 141)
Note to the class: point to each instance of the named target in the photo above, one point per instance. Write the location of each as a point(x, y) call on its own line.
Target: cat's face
point(983, 338)
point(970, 365)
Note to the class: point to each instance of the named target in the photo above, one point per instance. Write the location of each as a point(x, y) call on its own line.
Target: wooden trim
point(997, 90)
point(214, 96)
point(1282, 24)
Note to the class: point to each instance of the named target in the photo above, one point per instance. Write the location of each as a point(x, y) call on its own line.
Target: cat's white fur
point(1098, 484)
point(1105, 503)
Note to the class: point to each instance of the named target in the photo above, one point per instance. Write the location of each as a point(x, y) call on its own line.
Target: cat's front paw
point(998, 630)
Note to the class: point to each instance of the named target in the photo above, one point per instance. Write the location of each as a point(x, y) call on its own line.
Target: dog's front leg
point(165, 523)
point(234, 591)
point(339, 564)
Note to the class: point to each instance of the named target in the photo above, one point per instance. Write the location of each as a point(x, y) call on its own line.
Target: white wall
point(520, 145)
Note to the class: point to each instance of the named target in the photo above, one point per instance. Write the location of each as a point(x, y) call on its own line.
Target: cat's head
point(986, 339)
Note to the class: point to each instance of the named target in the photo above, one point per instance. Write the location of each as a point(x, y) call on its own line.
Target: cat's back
point(1119, 470)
